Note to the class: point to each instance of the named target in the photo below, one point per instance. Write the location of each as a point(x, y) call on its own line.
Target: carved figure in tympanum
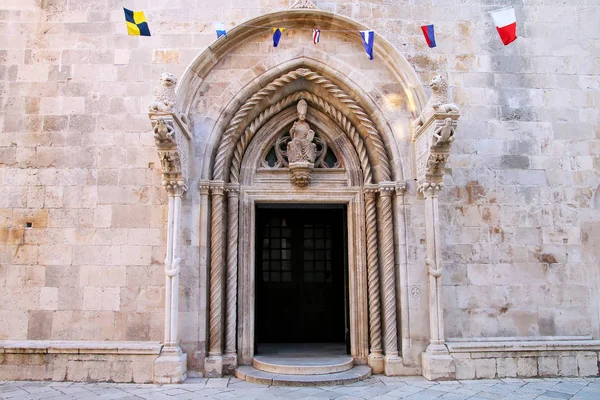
point(301, 148)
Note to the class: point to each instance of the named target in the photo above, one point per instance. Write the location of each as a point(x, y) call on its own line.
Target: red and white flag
point(506, 24)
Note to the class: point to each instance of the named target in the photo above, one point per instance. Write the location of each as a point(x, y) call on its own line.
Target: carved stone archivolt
point(236, 128)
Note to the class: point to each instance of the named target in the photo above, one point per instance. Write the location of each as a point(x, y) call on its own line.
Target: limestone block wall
point(77, 162)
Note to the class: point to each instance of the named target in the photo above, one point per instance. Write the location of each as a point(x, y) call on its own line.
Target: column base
point(438, 364)
point(375, 361)
point(170, 366)
point(393, 365)
point(230, 363)
point(213, 367)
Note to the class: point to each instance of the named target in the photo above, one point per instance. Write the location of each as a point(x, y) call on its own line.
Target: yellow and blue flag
point(277, 35)
point(136, 23)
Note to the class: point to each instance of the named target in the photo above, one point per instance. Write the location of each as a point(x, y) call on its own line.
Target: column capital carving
point(232, 189)
point(431, 189)
point(217, 188)
point(400, 188)
point(175, 188)
point(370, 190)
point(204, 186)
point(386, 188)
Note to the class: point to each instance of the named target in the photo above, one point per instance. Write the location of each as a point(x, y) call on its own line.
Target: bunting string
point(504, 19)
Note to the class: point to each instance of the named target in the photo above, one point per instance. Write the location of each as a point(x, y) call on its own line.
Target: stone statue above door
point(301, 150)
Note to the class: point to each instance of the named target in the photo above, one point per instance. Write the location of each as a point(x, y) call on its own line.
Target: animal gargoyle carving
point(438, 102)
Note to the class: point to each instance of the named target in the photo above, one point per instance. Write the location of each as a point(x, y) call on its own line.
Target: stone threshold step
point(253, 375)
point(286, 365)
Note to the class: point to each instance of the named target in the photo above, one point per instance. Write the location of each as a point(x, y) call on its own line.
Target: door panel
point(300, 275)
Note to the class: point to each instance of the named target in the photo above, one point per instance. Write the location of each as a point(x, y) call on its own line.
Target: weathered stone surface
point(83, 215)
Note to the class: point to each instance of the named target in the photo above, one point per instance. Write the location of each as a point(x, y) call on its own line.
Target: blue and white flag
point(368, 37)
point(220, 28)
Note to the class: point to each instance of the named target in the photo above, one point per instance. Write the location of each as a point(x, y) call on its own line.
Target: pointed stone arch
point(240, 128)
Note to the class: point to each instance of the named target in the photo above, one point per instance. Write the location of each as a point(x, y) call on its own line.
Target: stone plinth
point(79, 361)
point(438, 366)
point(171, 366)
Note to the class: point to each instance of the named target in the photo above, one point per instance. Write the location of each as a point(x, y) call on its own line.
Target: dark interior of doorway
point(301, 274)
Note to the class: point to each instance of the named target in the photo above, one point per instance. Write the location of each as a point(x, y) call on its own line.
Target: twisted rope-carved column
point(232, 273)
point(386, 251)
point(216, 272)
point(373, 274)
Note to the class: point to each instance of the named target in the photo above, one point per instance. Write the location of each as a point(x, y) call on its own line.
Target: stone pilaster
point(401, 269)
point(230, 358)
point(214, 361)
point(172, 136)
point(376, 350)
point(432, 141)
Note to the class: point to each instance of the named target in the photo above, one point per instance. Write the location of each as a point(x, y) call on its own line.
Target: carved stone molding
point(235, 130)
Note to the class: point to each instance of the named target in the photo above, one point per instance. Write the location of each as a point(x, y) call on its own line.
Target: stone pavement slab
point(373, 388)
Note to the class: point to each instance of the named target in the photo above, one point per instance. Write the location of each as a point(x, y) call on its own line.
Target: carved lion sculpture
point(164, 93)
point(438, 102)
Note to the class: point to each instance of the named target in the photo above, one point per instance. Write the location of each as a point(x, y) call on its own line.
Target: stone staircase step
point(253, 375)
point(315, 365)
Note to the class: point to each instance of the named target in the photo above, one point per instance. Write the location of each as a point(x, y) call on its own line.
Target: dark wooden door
point(300, 275)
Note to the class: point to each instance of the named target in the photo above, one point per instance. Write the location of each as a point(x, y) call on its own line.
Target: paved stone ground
point(374, 388)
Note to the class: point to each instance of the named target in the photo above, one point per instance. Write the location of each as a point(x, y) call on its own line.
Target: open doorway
point(301, 276)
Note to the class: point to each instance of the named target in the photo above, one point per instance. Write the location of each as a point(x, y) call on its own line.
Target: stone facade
point(120, 228)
